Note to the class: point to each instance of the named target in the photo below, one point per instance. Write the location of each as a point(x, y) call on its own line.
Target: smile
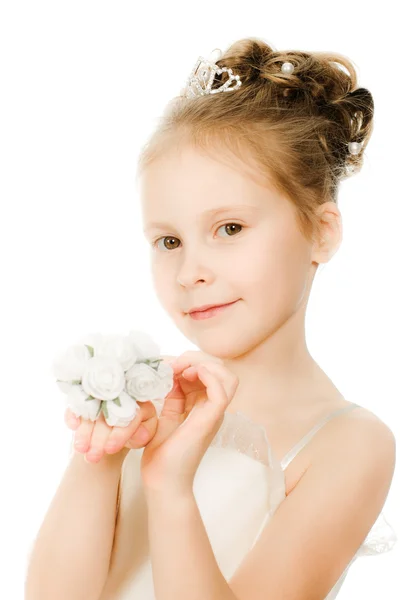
point(211, 312)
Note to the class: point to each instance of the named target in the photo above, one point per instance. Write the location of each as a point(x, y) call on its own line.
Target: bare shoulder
point(356, 425)
point(363, 422)
point(351, 431)
point(361, 439)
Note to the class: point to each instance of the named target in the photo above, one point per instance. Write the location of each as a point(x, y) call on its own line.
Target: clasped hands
point(175, 442)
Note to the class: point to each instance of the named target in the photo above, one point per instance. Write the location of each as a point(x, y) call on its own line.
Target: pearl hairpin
point(287, 68)
point(354, 147)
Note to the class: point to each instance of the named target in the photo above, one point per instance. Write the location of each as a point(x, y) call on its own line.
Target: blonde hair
point(295, 126)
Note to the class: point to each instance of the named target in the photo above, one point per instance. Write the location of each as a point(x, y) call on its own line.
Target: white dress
point(238, 486)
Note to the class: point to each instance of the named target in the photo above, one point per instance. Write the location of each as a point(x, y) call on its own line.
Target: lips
point(208, 306)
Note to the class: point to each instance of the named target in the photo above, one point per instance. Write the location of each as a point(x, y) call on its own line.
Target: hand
point(192, 414)
point(96, 435)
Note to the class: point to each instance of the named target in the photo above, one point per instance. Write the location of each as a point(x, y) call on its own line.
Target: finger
point(173, 413)
point(83, 435)
point(180, 400)
point(216, 392)
point(189, 372)
point(229, 380)
point(147, 410)
point(119, 436)
point(193, 358)
point(144, 433)
point(187, 360)
point(71, 420)
point(174, 405)
point(100, 434)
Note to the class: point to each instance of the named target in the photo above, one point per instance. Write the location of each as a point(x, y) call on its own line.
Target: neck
point(279, 380)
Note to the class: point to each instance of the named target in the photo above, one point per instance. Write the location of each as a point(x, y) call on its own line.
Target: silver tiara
point(201, 79)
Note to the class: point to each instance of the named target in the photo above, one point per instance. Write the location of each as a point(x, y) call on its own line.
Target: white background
point(82, 84)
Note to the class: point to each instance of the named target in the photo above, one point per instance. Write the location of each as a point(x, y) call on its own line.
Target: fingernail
point(94, 453)
point(190, 370)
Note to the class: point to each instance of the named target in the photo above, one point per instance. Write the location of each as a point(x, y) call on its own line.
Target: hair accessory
point(287, 68)
point(202, 77)
point(354, 147)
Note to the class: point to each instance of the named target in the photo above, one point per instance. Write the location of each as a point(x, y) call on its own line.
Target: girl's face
point(219, 237)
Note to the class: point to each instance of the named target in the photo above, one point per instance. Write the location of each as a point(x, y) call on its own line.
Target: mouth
point(210, 311)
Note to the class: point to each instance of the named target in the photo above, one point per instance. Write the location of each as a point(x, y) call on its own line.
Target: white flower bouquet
point(109, 373)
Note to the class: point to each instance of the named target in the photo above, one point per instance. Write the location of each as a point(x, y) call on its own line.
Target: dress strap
point(304, 440)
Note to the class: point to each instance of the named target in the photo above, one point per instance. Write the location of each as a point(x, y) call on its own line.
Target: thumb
point(172, 415)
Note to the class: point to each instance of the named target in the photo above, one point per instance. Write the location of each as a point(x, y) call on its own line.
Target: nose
point(194, 269)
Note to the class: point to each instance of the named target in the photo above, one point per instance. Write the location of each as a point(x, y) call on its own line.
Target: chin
point(223, 347)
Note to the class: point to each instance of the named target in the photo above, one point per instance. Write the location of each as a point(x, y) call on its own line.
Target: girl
point(255, 466)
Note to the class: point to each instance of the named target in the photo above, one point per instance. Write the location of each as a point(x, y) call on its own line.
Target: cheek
point(162, 284)
point(275, 278)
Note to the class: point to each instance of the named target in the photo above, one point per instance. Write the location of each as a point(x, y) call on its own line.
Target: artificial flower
point(109, 373)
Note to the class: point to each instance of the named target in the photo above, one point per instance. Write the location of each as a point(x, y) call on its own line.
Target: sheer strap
point(304, 440)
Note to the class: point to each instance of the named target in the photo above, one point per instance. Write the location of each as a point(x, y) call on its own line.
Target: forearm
point(71, 555)
point(183, 562)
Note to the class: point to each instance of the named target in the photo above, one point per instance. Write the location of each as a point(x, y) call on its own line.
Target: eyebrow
point(212, 212)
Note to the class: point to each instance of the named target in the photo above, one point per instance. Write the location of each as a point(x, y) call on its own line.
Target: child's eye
point(235, 225)
point(170, 237)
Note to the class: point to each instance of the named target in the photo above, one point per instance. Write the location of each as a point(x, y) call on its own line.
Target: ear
point(330, 233)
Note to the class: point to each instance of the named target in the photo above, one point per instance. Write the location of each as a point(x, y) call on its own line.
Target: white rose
point(70, 365)
point(166, 373)
point(91, 339)
point(87, 409)
point(144, 345)
point(116, 346)
point(103, 378)
point(65, 386)
point(145, 383)
point(121, 416)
